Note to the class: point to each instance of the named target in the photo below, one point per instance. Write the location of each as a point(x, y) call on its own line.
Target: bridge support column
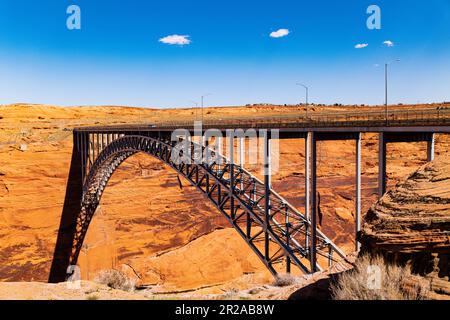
point(241, 151)
point(381, 164)
point(288, 240)
point(97, 144)
point(358, 190)
point(206, 153)
point(307, 185)
point(92, 145)
point(430, 148)
point(88, 151)
point(230, 139)
point(84, 154)
point(267, 186)
point(241, 158)
point(219, 146)
point(101, 142)
point(313, 251)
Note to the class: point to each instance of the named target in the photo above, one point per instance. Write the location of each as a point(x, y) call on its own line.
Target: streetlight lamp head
point(392, 61)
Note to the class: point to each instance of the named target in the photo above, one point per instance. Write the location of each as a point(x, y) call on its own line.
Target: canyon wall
point(171, 237)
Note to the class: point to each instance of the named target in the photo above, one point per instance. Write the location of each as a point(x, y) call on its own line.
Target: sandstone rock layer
point(411, 224)
point(173, 238)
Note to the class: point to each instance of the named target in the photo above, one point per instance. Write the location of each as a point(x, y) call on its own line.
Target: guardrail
point(422, 117)
point(348, 119)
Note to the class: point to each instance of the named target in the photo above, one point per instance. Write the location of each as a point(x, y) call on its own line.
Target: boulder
point(411, 225)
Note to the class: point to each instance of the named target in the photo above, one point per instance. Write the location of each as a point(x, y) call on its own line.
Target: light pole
point(203, 96)
point(307, 89)
point(386, 65)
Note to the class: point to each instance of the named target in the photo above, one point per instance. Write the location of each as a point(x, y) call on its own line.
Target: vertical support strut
point(249, 225)
point(230, 142)
point(267, 184)
point(85, 157)
point(313, 252)
point(307, 186)
point(82, 153)
point(358, 190)
point(94, 147)
point(430, 148)
point(90, 148)
point(381, 164)
point(241, 151)
point(206, 153)
point(98, 144)
point(190, 140)
point(87, 153)
point(241, 159)
point(288, 240)
point(219, 145)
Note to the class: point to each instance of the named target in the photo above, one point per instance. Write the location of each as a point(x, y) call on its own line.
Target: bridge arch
point(281, 235)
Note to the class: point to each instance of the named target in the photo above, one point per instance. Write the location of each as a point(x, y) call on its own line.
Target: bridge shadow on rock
point(68, 222)
point(318, 290)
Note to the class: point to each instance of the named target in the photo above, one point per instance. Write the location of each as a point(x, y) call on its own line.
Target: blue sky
point(117, 59)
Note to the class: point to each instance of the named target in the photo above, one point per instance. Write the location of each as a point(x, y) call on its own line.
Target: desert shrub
point(115, 279)
point(284, 280)
point(358, 284)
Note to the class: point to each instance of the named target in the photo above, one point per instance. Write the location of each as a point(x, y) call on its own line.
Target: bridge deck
point(422, 120)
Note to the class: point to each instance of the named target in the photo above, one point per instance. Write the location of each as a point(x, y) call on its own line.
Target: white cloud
point(361, 45)
point(388, 43)
point(176, 39)
point(279, 33)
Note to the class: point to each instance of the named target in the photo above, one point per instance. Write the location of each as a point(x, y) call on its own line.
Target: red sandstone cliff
point(411, 224)
point(145, 220)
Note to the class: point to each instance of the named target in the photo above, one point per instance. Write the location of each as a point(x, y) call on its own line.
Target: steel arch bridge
point(271, 227)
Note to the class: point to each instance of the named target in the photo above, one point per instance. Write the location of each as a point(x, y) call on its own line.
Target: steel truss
point(272, 228)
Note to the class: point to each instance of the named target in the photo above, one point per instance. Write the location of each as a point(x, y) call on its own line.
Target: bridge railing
point(419, 117)
point(438, 116)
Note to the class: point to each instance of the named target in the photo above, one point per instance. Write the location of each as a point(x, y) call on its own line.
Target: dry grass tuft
point(284, 280)
point(375, 279)
point(115, 279)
